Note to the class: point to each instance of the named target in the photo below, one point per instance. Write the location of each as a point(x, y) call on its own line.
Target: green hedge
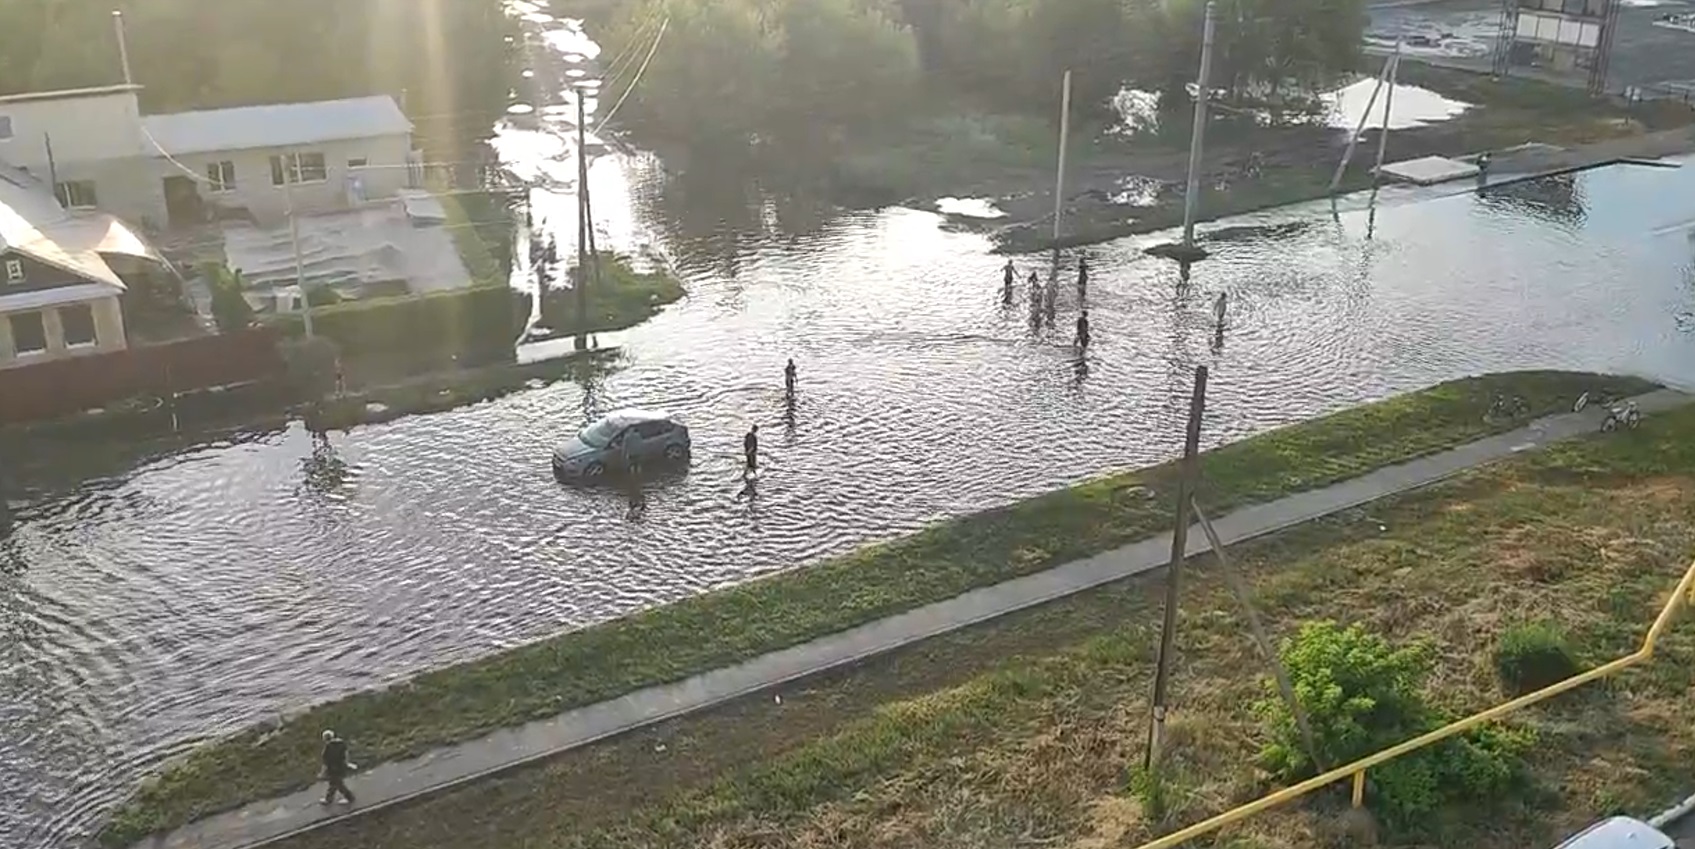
point(474, 321)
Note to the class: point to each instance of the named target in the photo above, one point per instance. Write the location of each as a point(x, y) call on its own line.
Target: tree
point(229, 307)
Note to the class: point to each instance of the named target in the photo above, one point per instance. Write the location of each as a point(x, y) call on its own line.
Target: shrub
point(470, 323)
point(1362, 695)
point(1533, 655)
point(229, 307)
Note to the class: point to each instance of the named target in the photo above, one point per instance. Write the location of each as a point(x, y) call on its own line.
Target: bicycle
point(1507, 407)
point(1619, 413)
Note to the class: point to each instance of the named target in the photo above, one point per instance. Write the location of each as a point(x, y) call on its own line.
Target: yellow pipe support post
point(1356, 770)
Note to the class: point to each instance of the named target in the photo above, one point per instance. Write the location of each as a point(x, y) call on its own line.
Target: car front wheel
point(675, 452)
point(594, 471)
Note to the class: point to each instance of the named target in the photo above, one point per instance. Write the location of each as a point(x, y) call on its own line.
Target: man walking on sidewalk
point(336, 768)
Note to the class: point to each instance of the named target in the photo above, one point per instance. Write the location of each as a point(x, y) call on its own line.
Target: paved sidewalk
point(392, 783)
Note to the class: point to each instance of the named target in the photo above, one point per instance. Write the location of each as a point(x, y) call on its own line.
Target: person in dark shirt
point(750, 451)
point(1083, 330)
point(336, 768)
point(789, 377)
point(1083, 276)
point(1007, 276)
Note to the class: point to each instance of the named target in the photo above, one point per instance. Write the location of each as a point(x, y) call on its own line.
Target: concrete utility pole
point(1064, 138)
point(1203, 83)
point(1383, 78)
point(582, 282)
point(291, 172)
point(123, 46)
point(1388, 109)
point(1173, 582)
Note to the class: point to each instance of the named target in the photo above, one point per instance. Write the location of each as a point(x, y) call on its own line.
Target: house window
point(298, 168)
point(220, 176)
point(5, 127)
point(358, 162)
point(29, 335)
point(14, 271)
point(78, 323)
point(77, 194)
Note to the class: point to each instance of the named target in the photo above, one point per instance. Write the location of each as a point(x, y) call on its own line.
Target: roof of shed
point(276, 125)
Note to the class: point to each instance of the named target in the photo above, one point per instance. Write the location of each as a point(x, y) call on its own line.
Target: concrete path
point(388, 784)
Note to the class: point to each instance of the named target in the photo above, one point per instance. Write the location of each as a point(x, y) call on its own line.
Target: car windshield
point(599, 434)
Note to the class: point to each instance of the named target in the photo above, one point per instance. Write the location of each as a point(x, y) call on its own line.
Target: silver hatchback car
point(621, 438)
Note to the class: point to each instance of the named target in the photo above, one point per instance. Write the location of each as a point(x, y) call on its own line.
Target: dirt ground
point(1296, 162)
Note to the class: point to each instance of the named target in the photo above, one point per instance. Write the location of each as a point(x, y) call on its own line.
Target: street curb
point(1673, 813)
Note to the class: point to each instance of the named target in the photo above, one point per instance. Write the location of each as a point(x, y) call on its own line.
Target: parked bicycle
point(1506, 407)
point(1620, 412)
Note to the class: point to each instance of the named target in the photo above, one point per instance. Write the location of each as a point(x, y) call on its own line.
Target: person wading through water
point(336, 768)
point(789, 379)
point(1082, 277)
point(750, 452)
point(1083, 330)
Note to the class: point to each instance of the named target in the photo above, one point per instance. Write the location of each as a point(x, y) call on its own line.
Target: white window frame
point(14, 271)
point(220, 177)
point(63, 192)
point(46, 344)
point(93, 327)
point(289, 165)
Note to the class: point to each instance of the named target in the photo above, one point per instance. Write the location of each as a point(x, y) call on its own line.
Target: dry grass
point(1024, 732)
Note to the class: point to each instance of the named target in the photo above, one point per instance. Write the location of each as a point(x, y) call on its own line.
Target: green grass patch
point(482, 230)
point(719, 628)
point(1027, 730)
point(624, 297)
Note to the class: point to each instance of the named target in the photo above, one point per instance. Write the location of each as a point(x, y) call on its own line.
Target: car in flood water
point(620, 437)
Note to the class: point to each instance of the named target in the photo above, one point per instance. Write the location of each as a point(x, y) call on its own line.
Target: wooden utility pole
point(1179, 545)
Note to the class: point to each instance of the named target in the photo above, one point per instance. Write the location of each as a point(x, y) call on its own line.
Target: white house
point(266, 160)
point(100, 152)
point(59, 294)
point(86, 143)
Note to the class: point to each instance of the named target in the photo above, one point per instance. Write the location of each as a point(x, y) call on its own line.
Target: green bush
point(1533, 655)
point(469, 323)
point(1362, 695)
point(229, 308)
point(623, 298)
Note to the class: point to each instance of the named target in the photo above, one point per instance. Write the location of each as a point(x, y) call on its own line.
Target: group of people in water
point(1044, 299)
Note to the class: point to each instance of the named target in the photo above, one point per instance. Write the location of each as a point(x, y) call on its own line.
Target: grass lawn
point(1023, 731)
point(672, 642)
point(624, 298)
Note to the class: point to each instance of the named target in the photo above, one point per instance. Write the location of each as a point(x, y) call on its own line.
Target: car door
point(653, 438)
point(623, 446)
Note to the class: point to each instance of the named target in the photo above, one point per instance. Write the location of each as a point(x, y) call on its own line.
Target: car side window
point(617, 440)
point(652, 430)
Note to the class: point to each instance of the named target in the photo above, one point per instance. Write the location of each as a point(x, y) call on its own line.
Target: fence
point(1356, 770)
point(63, 387)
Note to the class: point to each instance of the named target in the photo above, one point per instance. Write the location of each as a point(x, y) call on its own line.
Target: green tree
point(229, 308)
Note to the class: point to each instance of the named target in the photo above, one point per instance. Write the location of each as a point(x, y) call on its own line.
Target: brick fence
point(63, 387)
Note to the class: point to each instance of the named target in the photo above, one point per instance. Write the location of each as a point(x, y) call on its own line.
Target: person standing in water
point(1083, 330)
point(1220, 306)
point(750, 452)
point(1082, 277)
point(1007, 276)
point(789, 379)
point(1035, 298)
point(1050, 301)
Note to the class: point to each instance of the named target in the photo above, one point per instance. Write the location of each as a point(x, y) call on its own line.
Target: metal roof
point(69, 93)
point(35, 225)
point(277, 125)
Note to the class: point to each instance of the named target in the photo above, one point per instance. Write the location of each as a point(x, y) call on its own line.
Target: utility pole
point(1064, 138)
point(291, 172)
point(1354, 140)
point(53, 169)
point(1191, 195)
point(1179, 546)
point(582, 281)
point(1388, 108)
point(123, 46)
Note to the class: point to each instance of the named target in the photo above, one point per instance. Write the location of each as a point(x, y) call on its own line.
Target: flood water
point(151, 602)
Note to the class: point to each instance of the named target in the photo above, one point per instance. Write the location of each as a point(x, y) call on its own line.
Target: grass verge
point(482, 232)
point(438, 392)
point(1025, 730)
point(624, 297)
point(668, 643)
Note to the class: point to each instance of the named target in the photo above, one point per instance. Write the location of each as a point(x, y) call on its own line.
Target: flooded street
point(205, 587)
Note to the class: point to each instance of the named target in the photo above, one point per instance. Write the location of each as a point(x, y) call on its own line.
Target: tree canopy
point(739, 69)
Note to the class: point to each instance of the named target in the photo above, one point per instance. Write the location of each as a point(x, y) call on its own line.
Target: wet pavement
point(155, 595)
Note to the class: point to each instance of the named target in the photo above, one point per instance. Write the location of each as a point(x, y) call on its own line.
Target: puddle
point(1413, 106)
point(969, 207)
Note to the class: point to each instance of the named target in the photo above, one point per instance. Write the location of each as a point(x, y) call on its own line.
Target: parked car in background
point(1619, 833)
point(621, 437)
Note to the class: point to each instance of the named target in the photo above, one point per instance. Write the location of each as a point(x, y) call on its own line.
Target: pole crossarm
point(1356, 770)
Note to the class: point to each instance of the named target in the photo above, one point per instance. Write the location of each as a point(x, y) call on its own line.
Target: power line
point(639, 72)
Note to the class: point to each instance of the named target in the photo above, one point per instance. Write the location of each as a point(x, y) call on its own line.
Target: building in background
point(1568, 38)
point(99, 152)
